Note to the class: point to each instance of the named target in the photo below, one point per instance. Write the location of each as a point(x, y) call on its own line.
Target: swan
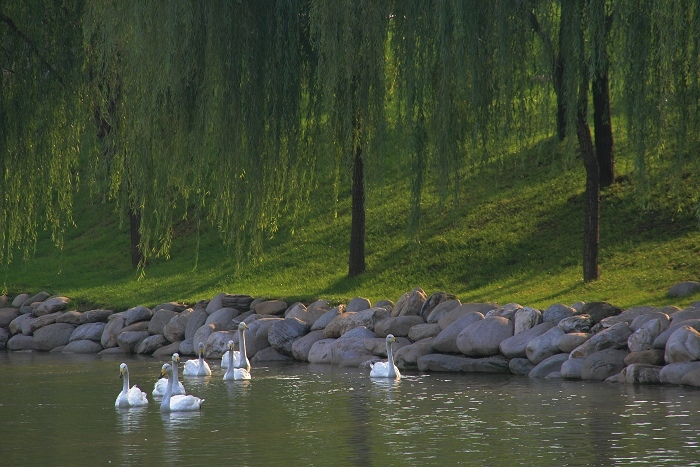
point(233, 373)
point(236, 354)
point(386, 369)
point(176, 403)
point(197, 367)
point(161, 385)
point(133, 397)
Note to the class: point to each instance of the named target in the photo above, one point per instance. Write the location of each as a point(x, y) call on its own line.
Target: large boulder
point(159, 320)
point(515, 346)
point(446, 341)
point(197, 319)
point(662, 339)
point(544, 345)
point(613, 337)
point(151, 343)
point(308, 315)
point(4, 337)
point(283, 333)
point(526, 318)
point(643, 338)
point(571, 340)
point(136, 314)
point(557, 312)
point(453, 363)
point(21, 324)
point(571, 368)
point(440, 309)
point(640, 373)
point(327, 317)
point(52, 336)
point(302, 346)
point(20, 342)
point(359, 304)
point(603, 364)
point(409, 303)
point(507, 311)
point(82, 346)
point(640, 320)
point(321, 351)
point(129, 341)
point(271, 308)
point(598, 311)
point(398, 327)
point(628, 316)
point(220, 318)
point(463, 310)
point(683, 345)
point(577, 323)
point(549, 365)
point(407, 356)
point(683, 289)
point(44, 320)
point(112, 330)
point(7, 315)
point(95, 316)
point(51, 305)
point(672, 373)
point(36, 298)
point(256, 336)
point(217, 344)
point(174, 330)
point(90, 331)
point(423, 331)
point(202, 335)
point(482, 338)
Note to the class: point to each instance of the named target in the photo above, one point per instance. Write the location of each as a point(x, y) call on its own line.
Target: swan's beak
point(121, 372)
point(162, 373)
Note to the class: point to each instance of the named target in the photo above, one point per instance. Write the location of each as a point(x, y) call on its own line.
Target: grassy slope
point(516, 236)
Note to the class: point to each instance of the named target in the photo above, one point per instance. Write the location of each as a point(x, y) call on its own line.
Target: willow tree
point(201, 125)
point(42, 119)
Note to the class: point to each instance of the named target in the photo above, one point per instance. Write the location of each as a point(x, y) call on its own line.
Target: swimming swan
point(197, 367)
point(386, 369)
point(176, 403)
point(133, 397)
point(162, 384)
point(233, 373)
point(237, 363)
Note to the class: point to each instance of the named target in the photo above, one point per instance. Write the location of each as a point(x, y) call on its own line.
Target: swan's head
point(242, 326)
point(390, 338)
point(176, 357)
point(166, 370)
point(122, 369)
point(230, 345)
point(201, 347)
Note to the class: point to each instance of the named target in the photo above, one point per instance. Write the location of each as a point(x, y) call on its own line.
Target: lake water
point(59, 409)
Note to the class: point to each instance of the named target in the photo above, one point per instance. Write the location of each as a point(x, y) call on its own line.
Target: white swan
point(133, 397)
point(161, 385)
point(197, 367)
point(233, 373)
point(386, 369)
point(176, 403)
point(237, 363)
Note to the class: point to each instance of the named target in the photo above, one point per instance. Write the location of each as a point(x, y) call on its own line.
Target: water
point(59, 410)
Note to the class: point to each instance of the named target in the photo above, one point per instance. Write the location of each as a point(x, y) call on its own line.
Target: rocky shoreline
point(435, 333)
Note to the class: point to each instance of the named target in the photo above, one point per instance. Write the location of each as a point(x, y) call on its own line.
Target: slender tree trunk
point(561, 100)
point(357, 229)
point(134, 222)
point(604, 146)
point(591, 222)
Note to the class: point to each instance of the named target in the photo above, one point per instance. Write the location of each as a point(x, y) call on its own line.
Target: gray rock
point(136, 314)
point(377, 346)
point(683, 289)
point(111, 331)
point(166, 351)
point(112, 351)
point(409, 303)
point(70, 317)
point(269, 355)
point(171, 306)
point(221, 317)
point(271, 308)
point(557, 312)
point(578, 323)
point(388, 305)
point(20, 324)
point(51, 305)
point(160, 319)
point(685, 314)
point(446, 341)
point(571, 368)
point(19, 300)
point(662, 339)
point(217, 343)
point(129, 341)
point(38, 298)
point(692, 378)
point(548, 365)
point(202, 335)
point(20, 342)
point(423, 331)
point(307, 315)
point(482, 338)
point(137, 326)
point(683, 345)
point(407, 356)
point(257, 335)
point(52, 336)
point(653, 357)
point(526, 318)
point(187, 348)
point(544, 346)
point(327, 317)
point(174, 330)
point(95, 316)
point(7, 315)
point(82, 346)
point(644, 337)
point(520, 366)
point(514, 347)
point(359, 304)
point(43, 320)
point(302, 346)
point(453, 363)
point(603, 364)
point(463, 310)
point(600, 310)
point(151, 343)
point(4, 337)
point(628, 316)
point(641, 320)
point(613, 337)
point(571, 340)
point(507, 311)
point(321, 351)
point(639, 373)
point(398, 326)
point(347, 351)
point(197, 319)
point(216, 303)
point(673, 373)
point(90, 331)
point(440, 308)
point(283, 333)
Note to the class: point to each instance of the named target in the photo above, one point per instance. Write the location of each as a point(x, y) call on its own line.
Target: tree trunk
point(603, 129)
point(591, 222)
point(561, 100)
point(134, 222)
point(357, 229)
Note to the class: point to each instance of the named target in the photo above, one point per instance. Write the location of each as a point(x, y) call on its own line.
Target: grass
point(516, 236)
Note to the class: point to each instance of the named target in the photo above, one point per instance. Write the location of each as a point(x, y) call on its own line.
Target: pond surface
point(59, 409)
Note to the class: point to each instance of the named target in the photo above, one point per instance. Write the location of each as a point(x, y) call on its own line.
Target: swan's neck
point(243, 356)
point(165, 403)
point(174, 379)
point(126, 381)
point(390, 363)
point(201, 359)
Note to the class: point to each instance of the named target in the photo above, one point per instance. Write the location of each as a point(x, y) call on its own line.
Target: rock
point(683, 289)
point(111, 331)
point(52, 336)
point(95, 316)
point(174, 330)
point(604, 363)
point(557, 312)
point(347, 321)
point(38, 298)
point(439, 309)
point(202, 335)
point(43, 320)
point(271, 308)
point(388, 305)
point(653, 357)
point(423, 331)
point(19, 300)
point(398, 326)
point(82, 346)
point(322, 351)
point(377, 346)
point(20, 324)
point(446, 341)
point(112, 351)
point(549, 365)
point(170, 306)
point(151, 343)
point(283, 333)
point(544, 346)
point(257, 335)
point(571, 368)
point(640, 320)
point(7, 315)
point(409, 303)
point(327, 317)
point(407, 356)
point(526, 318)
point(167, 350)
point(482, 338)
point(520, 366)
point(640, 373)
point(302, 346)
point(269, 355)
point(570, 341)
point(217, 342)
point(186, 347)
point(644, 337)
point(90, 331)
point(692, 378)
point(463, 310)
point(137, 326)
point(358, 304)
point(241, 302)
point(612, 337)
point(198, 317)
point(507, 311)
point(160, 319)
point(628, 316)
point(51, 305)
point(350, 349)
point(598, 311)
point(673, 373)
point(307, 315)
point(683, 345)
point(4, 337)
point(136, 314)
point(220, 318)
point(70, 317)
point(578, 323)
point(685, 314)
point(216, 303)
point(662, 339)
point(129, 341)
point(20, 342)
point(514, 347)
point(453, 363)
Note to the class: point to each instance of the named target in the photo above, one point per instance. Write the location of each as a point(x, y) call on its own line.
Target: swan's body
point(233, 372)
point(161, 385)
point(240, 359)
point(197, 367)
point(386, 369)
point(133, 397)
point(176, 403)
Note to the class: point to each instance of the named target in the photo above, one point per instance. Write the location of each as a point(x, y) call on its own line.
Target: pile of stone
point(588, 341)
